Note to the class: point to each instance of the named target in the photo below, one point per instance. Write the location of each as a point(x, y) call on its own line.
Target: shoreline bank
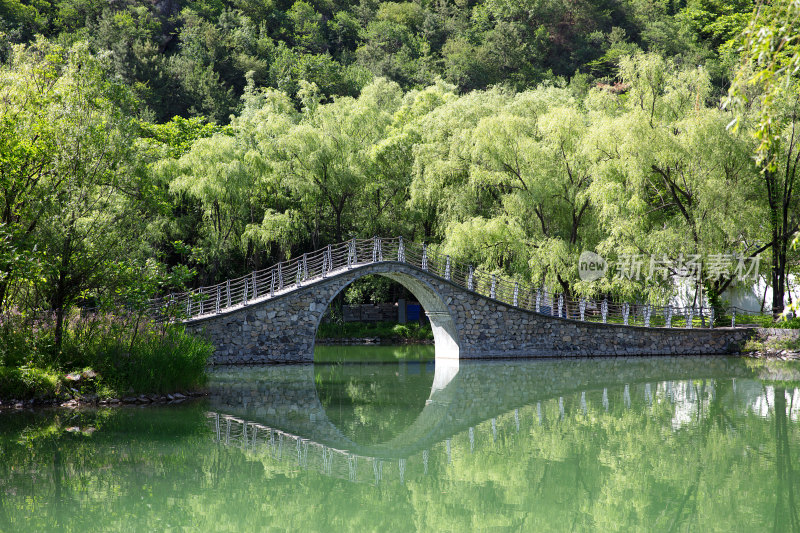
point(94, 401)
point(75, 401)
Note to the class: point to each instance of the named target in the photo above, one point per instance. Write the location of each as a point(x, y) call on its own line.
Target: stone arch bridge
point(272, 315)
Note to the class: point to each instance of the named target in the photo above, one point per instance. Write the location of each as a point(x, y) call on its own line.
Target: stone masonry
point(466, 325)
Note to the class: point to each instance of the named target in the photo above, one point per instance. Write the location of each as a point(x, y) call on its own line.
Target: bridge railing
point(294, 273)
point(274, 280)
point(538, 299)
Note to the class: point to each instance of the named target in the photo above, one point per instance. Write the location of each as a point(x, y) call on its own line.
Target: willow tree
point(325, 157)
point(442, 125)
point(536, 156)
point(672, 182)
point(215, 177)
point(508, 175)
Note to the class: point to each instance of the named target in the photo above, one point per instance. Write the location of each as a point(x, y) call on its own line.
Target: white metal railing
point(290, 275)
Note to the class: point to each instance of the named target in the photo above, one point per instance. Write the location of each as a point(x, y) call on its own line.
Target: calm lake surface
point(611, 444)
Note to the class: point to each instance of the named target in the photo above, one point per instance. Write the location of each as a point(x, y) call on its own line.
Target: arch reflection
point(374, 393)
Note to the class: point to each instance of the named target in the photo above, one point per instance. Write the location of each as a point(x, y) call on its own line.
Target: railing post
point(561, 306)
point(516, 293)
point(604, 310)
point(582, 308)
point(324, 264)
point(491, 291)
point(255, 285)
point(424, 256)
point(244, 292)
point(689, 317)
point(647, 312)
point(228, 293)
point(711, 319)
point(298, 278)
point(380, 250)
point(447, 269)
point(330, 258)
point(401, 251)
point(219, 297)
point(350, 255)
point(280, 276)
point(668, 316)
point(189, 305)
point(626, 310)
point(538, 300)
point(355, 251)
point(200, 300)
point(272, 285)
point(470, 279)
point(374, 248)
point(305, 267)
point(733, 317)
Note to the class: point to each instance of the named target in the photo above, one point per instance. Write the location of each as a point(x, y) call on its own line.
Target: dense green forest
point(194, 58)
point(150, 146)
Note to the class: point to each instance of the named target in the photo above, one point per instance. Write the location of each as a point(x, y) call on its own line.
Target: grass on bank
point(773, 345)
point(381, 330)
point(679, 321)
point(114, 356)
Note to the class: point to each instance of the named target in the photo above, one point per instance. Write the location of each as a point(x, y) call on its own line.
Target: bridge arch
point(273, 316)
point(445, 332)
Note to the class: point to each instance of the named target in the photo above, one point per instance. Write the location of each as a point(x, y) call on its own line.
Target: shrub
point(128, 354)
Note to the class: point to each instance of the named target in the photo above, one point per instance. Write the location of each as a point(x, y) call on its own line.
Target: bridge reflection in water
point(277, 410)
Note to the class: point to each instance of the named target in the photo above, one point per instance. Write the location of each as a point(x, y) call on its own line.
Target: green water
point(651, 444)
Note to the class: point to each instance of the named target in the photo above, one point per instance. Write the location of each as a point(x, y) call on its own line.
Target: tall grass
point(155, 361)
point(128, 354)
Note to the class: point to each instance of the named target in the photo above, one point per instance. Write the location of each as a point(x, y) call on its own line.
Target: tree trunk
point(59, 299)
point(567, 293)
point(778, 272)
point(4, 289)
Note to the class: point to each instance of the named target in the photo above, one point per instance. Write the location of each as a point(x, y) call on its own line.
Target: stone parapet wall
point(466, 325)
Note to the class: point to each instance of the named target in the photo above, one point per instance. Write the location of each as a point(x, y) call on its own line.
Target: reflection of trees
point(625, 469)
point(786, 519)
point(370, 403)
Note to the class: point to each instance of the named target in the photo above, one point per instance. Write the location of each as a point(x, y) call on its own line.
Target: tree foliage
point(449, 125)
